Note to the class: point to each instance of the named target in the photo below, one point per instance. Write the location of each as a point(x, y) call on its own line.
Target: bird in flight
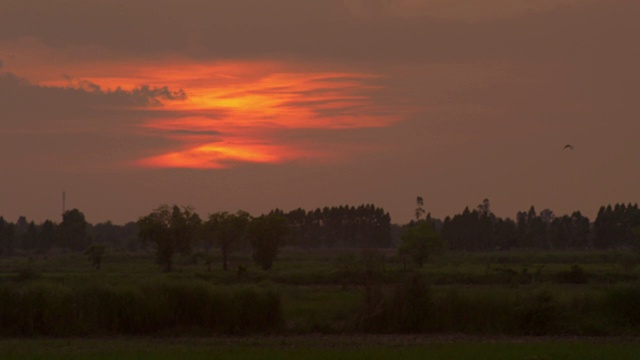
point(568, 146)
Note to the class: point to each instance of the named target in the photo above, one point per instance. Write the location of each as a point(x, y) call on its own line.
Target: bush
point(576, 275)
point(538, 314)
point(485, 311)
point(408, 310)
point(623, 305)
point(412, 307)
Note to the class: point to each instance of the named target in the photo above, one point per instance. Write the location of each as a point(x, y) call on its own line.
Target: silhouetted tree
point(505, 234)
point(6, 232)
point(173, 230)
point(420, 241)
point(47, 235)
point(227, 230)
point(266, 234)
point(73, 230)
point(419, 208)
point(342, 226)
point(613, 225)
point(30, 237)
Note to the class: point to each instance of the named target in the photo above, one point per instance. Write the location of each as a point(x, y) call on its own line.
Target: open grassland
point(323, 347)
point(323, 291)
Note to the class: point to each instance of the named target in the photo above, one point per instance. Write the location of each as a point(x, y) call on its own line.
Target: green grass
point(323, 291)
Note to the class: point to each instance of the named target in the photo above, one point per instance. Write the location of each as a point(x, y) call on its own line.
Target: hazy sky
point(255, 105)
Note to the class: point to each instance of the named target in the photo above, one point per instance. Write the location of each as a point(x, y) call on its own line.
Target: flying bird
point(568, 146)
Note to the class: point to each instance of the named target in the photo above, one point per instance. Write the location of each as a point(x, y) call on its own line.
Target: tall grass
point(414, 307)
point(329, 292)
point(320, 348)
point(37, 308)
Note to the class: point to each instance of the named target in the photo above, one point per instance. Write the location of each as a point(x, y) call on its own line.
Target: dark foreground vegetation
point(322, 348)
point(43, 308)
point(488, 294)
point(234, 274)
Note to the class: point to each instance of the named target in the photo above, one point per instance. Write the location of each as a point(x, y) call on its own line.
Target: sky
point(253, 105)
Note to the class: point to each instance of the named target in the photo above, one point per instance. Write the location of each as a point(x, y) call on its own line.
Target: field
point(323, 304)
point(323, 347)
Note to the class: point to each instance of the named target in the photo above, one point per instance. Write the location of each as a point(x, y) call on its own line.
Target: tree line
point(480, 230)
point(171, 230)
point(339, 227)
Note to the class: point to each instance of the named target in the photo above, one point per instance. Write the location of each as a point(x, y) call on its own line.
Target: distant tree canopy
point(614, 225)
point(481, 230)
point(339, 227)
point(476, 229)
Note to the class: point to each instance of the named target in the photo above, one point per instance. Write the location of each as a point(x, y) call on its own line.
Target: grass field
point(326, 292)
point(323, 347)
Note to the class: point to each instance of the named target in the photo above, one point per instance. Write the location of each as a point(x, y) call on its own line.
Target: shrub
point(577, 275)
point(622, 303)
point(412, 306)
point(408, 310)
point(538, 314)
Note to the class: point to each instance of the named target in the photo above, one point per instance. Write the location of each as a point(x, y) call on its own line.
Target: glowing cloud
point(233, 114)
point(218, 155)
point(222, 114)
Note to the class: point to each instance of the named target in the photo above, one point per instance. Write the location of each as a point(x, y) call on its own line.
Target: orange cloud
point(220, 155)
point(235, 112)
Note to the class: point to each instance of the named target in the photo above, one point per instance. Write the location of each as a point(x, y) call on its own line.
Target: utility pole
point(63, 204)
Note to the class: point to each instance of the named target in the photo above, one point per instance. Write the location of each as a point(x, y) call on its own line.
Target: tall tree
point(266, 234)
point(227, 230)
point(4, 235)
point(420, 241)
point(419, 208)
point(173, 230)
point(48, 234)
point(73, 230)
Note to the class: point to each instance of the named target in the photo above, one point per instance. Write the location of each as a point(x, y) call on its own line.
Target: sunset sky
point(225, 105)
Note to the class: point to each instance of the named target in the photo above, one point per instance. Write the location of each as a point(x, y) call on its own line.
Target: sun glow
point(217, 156)
point(236, 112)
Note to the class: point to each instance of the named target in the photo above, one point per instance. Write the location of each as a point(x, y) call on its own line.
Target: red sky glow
point(227, 105)
point(236, 112)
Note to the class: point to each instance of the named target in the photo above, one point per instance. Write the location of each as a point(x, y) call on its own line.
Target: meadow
point(558, 302)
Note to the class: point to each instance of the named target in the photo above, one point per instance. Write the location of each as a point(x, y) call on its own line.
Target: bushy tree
point(73, 230)
point(420, 241)
point(266, 234)
point(173, 230)
point(227, 230)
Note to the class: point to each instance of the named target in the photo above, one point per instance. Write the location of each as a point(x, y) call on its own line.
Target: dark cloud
point(322, 29)
point(75, 128)
point(150, 26)
point(23, 103)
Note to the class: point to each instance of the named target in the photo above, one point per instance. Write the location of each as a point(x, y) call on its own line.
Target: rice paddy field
point(350, 304)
